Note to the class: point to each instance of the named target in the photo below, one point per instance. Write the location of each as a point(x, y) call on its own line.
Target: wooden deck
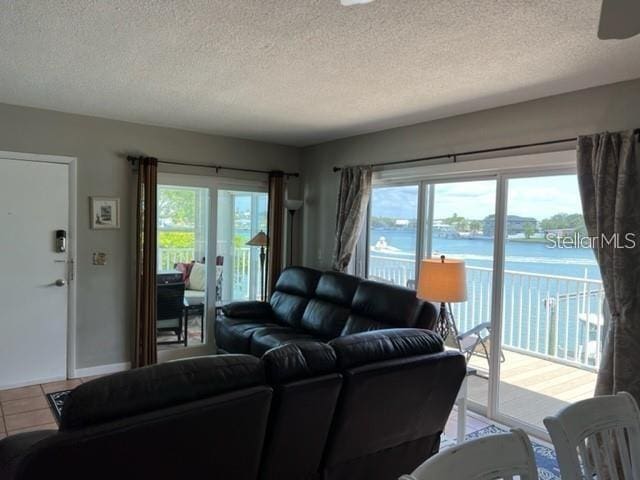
point(532, 388)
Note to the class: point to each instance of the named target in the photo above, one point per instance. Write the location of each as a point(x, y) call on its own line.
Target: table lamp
point(443, 280)
point(261, 240)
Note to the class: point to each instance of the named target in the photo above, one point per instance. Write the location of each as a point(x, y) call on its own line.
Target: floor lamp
point(443, 280)
point(260, 240)
point(292, 206)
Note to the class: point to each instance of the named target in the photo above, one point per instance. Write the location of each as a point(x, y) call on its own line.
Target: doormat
point(545, 456)
point(56, 401)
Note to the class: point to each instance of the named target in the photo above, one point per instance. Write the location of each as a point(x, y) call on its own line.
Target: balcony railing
point(242, 274)
point(551, 316)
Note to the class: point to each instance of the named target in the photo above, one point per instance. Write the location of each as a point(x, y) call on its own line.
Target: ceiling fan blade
point(619, 19)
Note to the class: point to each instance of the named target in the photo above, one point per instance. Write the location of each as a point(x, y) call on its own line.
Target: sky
point(538, 197)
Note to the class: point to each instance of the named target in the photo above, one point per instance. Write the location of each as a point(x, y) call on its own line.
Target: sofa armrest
point(249, 310)
point(15, 448)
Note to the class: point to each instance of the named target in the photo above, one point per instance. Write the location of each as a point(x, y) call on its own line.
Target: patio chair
point(598, 438)
point(170, 311)
point(476, 341)
point(505, 456)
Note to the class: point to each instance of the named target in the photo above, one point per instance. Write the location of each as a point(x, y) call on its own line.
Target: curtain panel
point(353, 199)
point(145, 349)
point(275, 229)
point(609, 179)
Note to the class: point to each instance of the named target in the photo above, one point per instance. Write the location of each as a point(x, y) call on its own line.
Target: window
point(393, 235)
point(542, 305)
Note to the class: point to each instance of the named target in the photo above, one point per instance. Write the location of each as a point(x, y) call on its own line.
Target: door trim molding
point(72, 238)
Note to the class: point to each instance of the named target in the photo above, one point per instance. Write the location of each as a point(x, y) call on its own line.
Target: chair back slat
point(598, 437)
point(623, 449)
point(507, 456)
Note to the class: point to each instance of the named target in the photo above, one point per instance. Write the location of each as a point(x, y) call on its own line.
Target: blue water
point(529, 257)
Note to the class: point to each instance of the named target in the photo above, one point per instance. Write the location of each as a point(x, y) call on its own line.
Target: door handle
point(60, 282)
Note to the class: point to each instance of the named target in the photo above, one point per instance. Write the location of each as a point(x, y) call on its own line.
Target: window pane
point(460, 230)
point(552, 301)
point(393, 235)
point(183, 224)
point(241, 215)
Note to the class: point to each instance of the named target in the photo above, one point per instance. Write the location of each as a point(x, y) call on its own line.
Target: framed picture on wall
point(105, 213)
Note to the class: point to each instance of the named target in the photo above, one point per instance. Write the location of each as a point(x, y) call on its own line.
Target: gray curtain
point(609, 178)
point(353, 199)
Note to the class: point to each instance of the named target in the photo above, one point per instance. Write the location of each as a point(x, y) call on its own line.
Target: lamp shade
point(259, 240)
point(442, 280)
point(292, 205)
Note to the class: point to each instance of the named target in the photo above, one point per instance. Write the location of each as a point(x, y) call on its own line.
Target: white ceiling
point(300, 71)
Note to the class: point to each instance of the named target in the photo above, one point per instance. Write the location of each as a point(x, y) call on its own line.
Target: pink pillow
point(185, 269)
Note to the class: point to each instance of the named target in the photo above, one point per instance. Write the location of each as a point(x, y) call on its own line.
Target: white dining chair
point(598, 438)
point(506, 456)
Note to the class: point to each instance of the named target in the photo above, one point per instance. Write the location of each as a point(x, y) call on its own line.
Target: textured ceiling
point(300, 71)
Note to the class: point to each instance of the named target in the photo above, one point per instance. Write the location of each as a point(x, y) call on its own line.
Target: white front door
point(34, 204)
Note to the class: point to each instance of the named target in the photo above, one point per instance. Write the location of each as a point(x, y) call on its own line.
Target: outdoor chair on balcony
point(170, 312)
point(476, 341)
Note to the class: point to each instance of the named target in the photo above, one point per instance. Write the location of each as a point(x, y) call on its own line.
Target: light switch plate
point(99, 258)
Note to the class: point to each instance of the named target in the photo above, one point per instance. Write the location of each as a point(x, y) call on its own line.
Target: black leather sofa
point(365, 406)
point(311, 305)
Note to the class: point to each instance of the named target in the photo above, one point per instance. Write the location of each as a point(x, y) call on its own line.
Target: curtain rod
point(454, 156)
point(217, 168)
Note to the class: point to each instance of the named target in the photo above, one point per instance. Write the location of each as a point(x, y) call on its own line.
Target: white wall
point(611, 107)
point(105, 294)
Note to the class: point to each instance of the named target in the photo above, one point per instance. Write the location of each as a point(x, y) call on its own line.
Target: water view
point(552, 297)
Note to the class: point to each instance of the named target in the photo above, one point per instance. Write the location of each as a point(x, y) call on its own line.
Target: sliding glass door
point(532, 323)
point(203, 260)
point(552, 300)
point(241, 215)
point(457, 225)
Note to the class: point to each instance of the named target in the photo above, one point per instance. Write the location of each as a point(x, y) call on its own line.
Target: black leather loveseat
point(311, 305)
point(365, 406)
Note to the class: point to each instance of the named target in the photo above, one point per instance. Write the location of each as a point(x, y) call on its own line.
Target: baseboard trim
point(35, 381)
point(100, 370)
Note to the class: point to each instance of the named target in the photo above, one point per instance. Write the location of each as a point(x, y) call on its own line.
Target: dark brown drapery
point(275, 228)
point(145, 352)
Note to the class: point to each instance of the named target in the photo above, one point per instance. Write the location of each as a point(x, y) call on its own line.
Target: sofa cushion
point(296, 361)
point(288, 308)
point(378, 305)
point(266, 338)
point(234, 334)
point(198, 277)
point(294, 288)
point(337, 288)
point(251, 309)
point(368, 347)
point(324, 319)
point(326, 314)
point(158, 386)
point(194, 297)
point(300, 281)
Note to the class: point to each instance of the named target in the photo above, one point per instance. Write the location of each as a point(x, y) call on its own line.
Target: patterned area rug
point(545, 456)
point(56, 401)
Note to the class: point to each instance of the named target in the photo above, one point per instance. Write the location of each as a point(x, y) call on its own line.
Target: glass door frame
point(213, 184)
point(501, 169)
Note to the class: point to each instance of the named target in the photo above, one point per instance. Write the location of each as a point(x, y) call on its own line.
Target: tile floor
point(26, 408)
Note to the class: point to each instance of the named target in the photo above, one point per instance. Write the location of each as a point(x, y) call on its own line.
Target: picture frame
point(105, 213)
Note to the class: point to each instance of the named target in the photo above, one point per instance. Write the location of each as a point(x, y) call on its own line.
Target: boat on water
point(382, 246)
